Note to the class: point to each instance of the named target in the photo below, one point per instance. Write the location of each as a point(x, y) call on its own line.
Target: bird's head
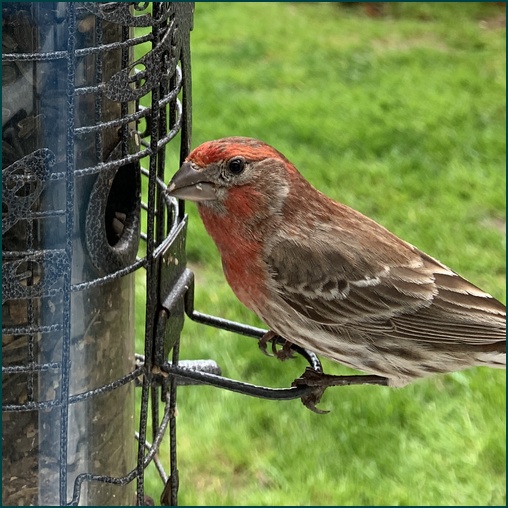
point(233, 174)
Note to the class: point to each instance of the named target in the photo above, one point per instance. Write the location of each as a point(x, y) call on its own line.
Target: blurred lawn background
point(403, 118)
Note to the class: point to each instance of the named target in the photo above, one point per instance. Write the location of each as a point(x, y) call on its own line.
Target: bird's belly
point(401, 363)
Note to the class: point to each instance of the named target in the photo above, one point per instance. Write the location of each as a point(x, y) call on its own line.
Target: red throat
point(236, 246)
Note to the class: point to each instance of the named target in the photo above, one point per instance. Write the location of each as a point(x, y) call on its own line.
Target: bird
point(328, 278)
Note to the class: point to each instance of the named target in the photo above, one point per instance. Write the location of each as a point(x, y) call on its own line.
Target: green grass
point(403, 118)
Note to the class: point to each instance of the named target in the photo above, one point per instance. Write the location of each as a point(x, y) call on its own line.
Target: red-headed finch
point(326, 277)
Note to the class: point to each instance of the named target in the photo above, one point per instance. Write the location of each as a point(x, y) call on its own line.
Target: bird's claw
point(310, 401)
point(264, 340)
point(321, 381)
point(282, 354)
point(314, 379)
point(285, 352)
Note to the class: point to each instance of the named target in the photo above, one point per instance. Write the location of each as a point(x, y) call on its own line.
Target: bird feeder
point(92, 96)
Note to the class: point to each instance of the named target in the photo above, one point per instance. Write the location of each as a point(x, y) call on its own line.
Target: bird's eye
point(236, 165)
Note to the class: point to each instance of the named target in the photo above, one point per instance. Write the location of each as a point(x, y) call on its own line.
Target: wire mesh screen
point(93, 96)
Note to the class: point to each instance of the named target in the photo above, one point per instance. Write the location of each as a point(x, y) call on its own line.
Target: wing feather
point(416, 299)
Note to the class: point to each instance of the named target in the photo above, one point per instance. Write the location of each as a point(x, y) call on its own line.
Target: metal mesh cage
point(93, 93)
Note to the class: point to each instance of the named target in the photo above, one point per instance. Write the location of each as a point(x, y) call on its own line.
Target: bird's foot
point(321, 381)
point(264, 340)
point(284, 353)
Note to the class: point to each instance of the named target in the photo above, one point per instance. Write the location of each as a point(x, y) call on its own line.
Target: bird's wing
point(418, 298)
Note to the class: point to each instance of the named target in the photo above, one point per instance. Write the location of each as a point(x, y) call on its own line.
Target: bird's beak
point(191, 184)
